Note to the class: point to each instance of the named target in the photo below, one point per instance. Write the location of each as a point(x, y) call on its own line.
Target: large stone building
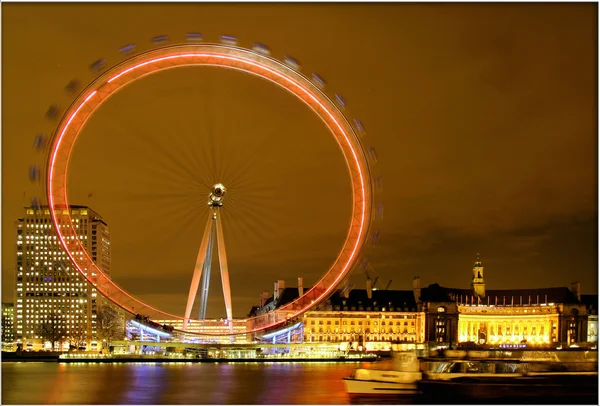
point(537, 317)
point(371, 318)
point(49, 292)
point(540, 317)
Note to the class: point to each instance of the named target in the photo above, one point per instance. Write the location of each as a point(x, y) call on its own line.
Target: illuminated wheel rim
point(136, 67)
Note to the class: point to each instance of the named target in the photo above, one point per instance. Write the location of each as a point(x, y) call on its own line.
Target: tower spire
point(477, 282)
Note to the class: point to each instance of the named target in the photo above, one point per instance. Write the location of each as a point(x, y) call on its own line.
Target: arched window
point(573, 334)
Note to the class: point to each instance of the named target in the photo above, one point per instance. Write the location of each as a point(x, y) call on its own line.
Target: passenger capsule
point(340, 101)
point(319, 81)
point(373, 154)
point(72, 86)
point(35, 203)
point(98, 65)
point(379, 211)
point(34, 173)
point(127, 48)
point(52, 112)
point(291, 62)
point(40, 141)
point(194, 36)
point(229, 40)
point(160, 38)
point(378, 182)
point(375, 237)
point(260, 48)
point(364, 263)
point(359, 125)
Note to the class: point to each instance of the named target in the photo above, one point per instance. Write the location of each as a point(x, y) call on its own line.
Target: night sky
point(484, 118)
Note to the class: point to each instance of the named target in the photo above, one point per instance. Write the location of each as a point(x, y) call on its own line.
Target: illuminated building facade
point(8, 322)
point(541, 317)
point(48, 290)
point(538, 317)
point(374, 319)
point(591, 304)
point(387, 316)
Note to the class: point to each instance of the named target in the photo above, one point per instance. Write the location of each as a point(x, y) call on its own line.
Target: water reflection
point(145, 385)
point(177, 383)
point(188, 383)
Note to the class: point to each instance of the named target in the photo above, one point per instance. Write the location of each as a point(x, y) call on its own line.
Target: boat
point(446, 370)
point(467, 381)
point(400, 381)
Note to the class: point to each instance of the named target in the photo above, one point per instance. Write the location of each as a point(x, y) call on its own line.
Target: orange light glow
point(227, 57)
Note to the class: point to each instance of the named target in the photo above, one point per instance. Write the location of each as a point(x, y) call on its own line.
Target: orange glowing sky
point(484, 118)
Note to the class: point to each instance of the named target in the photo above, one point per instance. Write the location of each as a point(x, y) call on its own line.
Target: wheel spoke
point(188, 165)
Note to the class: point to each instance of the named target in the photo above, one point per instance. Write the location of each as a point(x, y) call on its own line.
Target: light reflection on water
point(176, 383)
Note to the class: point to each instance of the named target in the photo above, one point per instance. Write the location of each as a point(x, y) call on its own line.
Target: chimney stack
point(264, 296)
point(280, 287)
point(276, 290)
point(417, 289)
point(369, 288)
point(576, 289)
point(300, 286)
point(346, 292)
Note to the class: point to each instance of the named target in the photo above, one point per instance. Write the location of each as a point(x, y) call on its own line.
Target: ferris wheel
point(348, 134)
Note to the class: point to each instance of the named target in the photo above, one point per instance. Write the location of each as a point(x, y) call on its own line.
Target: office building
point(53, 301)
point(8, 323)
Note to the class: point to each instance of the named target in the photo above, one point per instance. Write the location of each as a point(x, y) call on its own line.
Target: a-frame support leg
point(224, 273)
point(200, 260)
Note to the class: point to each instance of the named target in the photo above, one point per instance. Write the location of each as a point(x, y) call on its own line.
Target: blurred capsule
point(319, 81)
point(40, 141)
point(379, 211)
point(375, 237)
point(364, 263)
point(193, 36)
point(98, 65)
point(229, 40)
point(127, 48)
point(261, 49)
point(72, 86)
point(291, 62)
point(378, 182)
point(34, 173)
point(52, 112)
point(35, 203)
point(359, 126)
point(373, 154)
point(340, 101)
point(160, 38)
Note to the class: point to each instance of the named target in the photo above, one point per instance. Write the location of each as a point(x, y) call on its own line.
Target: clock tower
point(477, 283)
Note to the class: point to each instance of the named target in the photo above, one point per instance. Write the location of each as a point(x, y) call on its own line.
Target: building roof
point(437, 293)
point(399, 300)
point(590, 302)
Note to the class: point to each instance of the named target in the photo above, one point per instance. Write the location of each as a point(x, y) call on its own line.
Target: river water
point(176, 383)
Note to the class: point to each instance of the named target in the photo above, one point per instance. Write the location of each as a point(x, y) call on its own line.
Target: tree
point(77, 337)
point(109, 325)
point(51, 330)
